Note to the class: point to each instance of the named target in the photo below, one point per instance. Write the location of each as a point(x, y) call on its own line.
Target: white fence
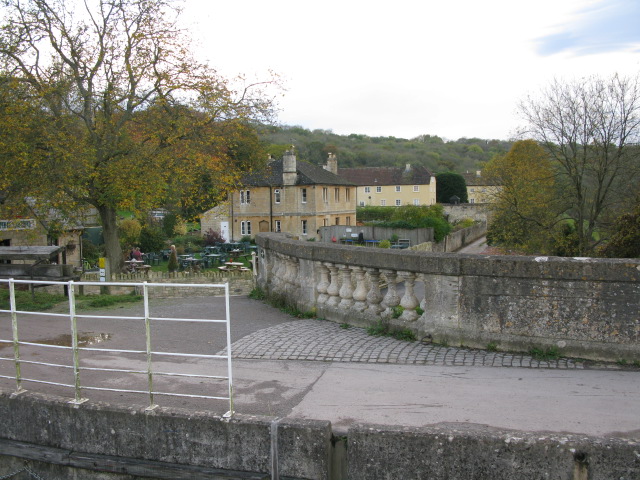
point(75, 350)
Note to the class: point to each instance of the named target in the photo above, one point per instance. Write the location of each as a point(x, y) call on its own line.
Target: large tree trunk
point(111, 241)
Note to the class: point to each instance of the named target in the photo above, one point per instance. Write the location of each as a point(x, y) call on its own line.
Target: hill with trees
point(355, 150)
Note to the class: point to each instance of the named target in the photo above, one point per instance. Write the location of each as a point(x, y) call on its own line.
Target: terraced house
point(392, 186)
point(289, 196)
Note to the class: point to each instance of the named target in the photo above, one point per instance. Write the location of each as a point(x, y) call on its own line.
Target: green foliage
point(384, 244)
point(464, 223)
point(25, 301)
point(625, 242)
point(397, 311)
point(545, 354)
point(381, 329)
point(90, 251)
point(449, 184)
point(169, 224)
point(356, 150)
point(492, 347)
point(374, 213)
point(152, 238)
point(246, 238)
point(129, 231)
point(257, 294)
point(345, 326)
point(419, 216)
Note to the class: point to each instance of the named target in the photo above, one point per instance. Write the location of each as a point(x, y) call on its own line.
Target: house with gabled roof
point(480, 189)
point(290, 196)
point(392, 186)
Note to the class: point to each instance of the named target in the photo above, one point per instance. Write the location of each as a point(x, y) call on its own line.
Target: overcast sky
point(404, 68)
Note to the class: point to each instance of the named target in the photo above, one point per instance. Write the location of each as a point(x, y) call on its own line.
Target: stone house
point(480, 189)
point(392, 186)
point(22, 232)
point(289, 196)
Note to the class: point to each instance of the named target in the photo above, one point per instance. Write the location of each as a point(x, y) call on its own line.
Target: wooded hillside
point(355, 150)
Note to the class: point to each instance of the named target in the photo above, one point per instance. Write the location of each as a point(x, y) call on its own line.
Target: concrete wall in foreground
point(584, 307)
point(99, 441)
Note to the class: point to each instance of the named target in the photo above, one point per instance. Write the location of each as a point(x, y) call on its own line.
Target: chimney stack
point(332, 164)
point(289, 175)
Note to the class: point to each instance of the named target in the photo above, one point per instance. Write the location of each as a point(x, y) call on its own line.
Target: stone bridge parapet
point(581, 307)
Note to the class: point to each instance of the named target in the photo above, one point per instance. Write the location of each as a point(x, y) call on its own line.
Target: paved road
point(316, 369)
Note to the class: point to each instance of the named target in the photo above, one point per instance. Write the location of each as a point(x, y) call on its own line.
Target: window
point(416, 188)
point(325, 194)
point(278, 226)
point(378, 189)
point(367, 189)
point(471, 190)
point(325, 222)
point(245, 228)
point(472, 200)
point(383, 203)
point(336, 194)
point(337, 220)
point(362, 204)
point(304, 227)
point(347, 195)
point(398, 203)
point(245, 197)
point(398, 189)
point(304, 195)
point(276, 195)
point(416, 202)
point(347, 221)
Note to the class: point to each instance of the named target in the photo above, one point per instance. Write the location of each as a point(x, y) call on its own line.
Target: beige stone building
point(290, 196)
point(479, 188)
point(392, 186)
point(22, 232)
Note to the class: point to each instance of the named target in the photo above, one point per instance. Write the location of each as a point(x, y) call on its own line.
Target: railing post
point(229, 372)
point(14, 328)
point(147, 328)
point(74, 345)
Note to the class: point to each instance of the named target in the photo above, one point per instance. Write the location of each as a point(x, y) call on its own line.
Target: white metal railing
point(75, 349)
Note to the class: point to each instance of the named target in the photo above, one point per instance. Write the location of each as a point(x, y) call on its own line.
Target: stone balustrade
point(582, 307)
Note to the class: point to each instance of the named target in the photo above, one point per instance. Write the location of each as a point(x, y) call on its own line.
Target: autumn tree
point(589, 127)
point(115, 113)
point(525, 203)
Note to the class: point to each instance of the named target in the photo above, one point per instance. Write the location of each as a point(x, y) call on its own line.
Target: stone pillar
point(323, 284)
point(391, 299)
point(346, 289)
point(374, 297)
point(333, 290)
point(409, 301)
point(360, 293)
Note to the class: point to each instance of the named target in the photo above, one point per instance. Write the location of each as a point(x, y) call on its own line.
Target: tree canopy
point(449, 184)
point(525, 206)
point(590, 127)
point(103, 105)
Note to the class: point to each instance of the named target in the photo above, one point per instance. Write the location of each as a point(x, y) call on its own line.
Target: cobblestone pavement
point(326, 341)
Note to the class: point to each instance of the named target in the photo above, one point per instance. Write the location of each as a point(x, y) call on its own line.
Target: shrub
point(212, 237)
point(151, 239)
point(384, 244)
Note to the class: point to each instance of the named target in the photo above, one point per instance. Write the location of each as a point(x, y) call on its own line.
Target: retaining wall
point(454, 241)
point(585, 307)
point(100, 441)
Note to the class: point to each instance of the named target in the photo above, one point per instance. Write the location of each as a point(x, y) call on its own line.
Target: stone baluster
point(333, 290)
point(409, 300)
point(360, 292)
point(323, 283)
point(346, 289)
point(374, 297)
point(391, 298)
point(423, 302)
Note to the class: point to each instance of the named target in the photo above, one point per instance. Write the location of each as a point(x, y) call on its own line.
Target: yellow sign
point(101, 262)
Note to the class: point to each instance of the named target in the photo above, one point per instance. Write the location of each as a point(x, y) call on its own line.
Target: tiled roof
point(308, 174)
point(416, 175)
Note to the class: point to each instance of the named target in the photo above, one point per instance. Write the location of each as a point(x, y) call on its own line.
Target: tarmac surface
point(316, 369)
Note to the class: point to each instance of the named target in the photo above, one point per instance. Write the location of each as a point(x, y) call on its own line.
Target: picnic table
point(134, 266)
point(233, 267)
